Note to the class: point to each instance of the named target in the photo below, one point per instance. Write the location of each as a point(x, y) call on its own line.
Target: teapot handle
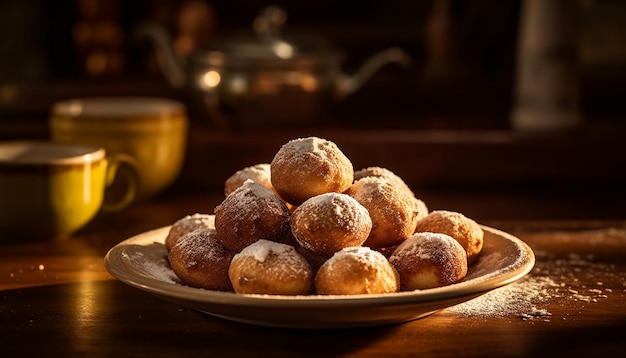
point(348, 84)
point(169, 62)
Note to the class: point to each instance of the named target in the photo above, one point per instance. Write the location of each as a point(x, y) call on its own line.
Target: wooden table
point(57, 299)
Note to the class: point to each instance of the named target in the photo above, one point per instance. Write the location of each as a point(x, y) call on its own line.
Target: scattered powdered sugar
point(527, 297)
point(519, 299)
point(151, 260)
point(161, 270)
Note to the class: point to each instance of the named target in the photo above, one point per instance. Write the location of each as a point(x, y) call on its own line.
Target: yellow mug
point(152, 130)
point(50, 190)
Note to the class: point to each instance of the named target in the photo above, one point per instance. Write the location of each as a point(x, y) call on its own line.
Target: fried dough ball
point(392, 210)
point(465, 230)
point(259, 173)
point(200, 260)
point(186, 225)
point(250, 213)
point(326, 223)
point(429, 260)
point(354, 271)
point(422, 209)
point(381, 172)
point(306, 167)
point(272, 268)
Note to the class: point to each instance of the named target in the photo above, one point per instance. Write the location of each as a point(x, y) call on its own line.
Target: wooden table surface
point(57, 299)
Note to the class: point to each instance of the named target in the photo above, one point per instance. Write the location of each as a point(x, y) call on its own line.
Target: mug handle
point(131, 179)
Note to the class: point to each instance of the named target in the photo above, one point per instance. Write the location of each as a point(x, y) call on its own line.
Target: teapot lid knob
point(270, 22)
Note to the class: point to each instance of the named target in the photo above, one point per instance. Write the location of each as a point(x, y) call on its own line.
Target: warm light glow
point(283, 49)
point(75, 108)
point(85, 306)
point(308, 82)
point(211, 79)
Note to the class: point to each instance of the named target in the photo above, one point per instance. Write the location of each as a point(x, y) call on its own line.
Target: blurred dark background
point(464, 52)
point(450, 111)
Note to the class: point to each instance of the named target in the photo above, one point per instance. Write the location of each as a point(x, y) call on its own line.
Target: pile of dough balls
point(308, 223)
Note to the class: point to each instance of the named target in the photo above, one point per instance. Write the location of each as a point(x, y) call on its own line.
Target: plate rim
point(113, 261)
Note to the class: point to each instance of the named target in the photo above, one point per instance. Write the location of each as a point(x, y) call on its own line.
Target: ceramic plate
point(141, 262)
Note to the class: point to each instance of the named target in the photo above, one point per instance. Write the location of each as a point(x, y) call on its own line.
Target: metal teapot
point(267, 80)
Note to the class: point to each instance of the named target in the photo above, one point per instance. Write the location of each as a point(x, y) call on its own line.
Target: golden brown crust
point(308, 220)
point(422, 209)
point(385, 173)
point(271, 268)
point(465, 230)
point(186, 225)
point(326, 223)
point(306, 167)
point(393, 178)
point(250, 213)
point(392, 210)
point(429, 260)
point(200, 260)
point(259, 173)
point(354, 271)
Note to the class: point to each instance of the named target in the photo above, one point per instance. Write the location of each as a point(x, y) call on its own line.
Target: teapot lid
point(267, 44)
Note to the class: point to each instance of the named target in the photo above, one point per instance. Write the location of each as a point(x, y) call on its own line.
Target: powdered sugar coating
point(200, 260)
point(261, 249)
point(392, 210)
point(384, 173)
point(259, 173)
point(250, 213)
point(393, 178)
point(305, 167)
point(268, 267)
point(356, 270)
point(429, 260)
point(188, 224)
point(361, 254)
point(465, 230)
point(326, 223)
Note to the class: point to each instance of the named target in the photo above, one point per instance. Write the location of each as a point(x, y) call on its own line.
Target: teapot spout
point(171, 64)
point(348, 84)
